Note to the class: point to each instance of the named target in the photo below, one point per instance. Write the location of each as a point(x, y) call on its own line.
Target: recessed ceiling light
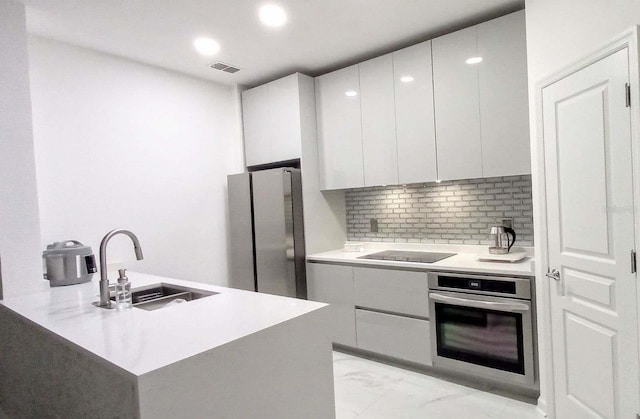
point(272, 15)
point(474, 60)
point(406, 79)
point(438, 181)
point(351, 93)
point(206, 46)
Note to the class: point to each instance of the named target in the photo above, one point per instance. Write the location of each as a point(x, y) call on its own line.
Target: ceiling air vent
point(224, 67)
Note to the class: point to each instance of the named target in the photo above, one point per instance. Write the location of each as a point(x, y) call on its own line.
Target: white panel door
point(378, 122)
point(339, 129)
point(504, 102)
point(457, 105)
point(590, 216)
point(415, 123)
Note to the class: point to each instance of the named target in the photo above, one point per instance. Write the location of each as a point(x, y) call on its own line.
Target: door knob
point(553, 274)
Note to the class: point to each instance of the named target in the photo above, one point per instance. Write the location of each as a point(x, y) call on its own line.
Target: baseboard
point(542, 407)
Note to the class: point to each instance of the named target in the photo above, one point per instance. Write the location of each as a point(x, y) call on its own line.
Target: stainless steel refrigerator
point(266, 232)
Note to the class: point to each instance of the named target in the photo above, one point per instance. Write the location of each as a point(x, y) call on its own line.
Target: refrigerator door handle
point(299, 251)
point(289, 241)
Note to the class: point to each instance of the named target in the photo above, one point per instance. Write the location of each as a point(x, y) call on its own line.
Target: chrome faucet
point(104, 281)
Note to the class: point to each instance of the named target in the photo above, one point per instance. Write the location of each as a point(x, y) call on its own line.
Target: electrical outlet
point(507, 222)
point(373, 225)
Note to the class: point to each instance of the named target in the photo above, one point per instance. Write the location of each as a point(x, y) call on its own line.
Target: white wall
point(19, 227)
point(120, 144)
point(559, 32)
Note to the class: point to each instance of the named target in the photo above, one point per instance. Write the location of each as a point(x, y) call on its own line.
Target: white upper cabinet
point(415, 125)
point(340, 129)
point(482, 116)
point(457, 105)
point(271, 121)
point(503, 96)
point(378, 122)
point(255, 118)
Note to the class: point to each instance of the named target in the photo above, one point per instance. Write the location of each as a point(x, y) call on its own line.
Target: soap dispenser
point(123, 291)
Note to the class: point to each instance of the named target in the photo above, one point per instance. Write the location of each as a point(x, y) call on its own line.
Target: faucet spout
point(104, 281)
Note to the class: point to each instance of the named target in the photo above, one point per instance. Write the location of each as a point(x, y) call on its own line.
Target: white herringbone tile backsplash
point(451, 212)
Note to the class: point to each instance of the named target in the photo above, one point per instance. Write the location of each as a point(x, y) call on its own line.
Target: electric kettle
point(68, 262)
point(500, 243)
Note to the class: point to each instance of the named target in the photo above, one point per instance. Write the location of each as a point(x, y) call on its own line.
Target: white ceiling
point(321, 34)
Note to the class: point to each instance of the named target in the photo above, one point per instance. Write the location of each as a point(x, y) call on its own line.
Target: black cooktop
point(405, 256)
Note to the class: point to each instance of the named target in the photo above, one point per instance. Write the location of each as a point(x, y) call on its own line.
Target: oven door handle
point(457, 301)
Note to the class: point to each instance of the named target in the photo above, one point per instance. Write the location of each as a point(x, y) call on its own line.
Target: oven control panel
point(481, 284)
point(475, 284)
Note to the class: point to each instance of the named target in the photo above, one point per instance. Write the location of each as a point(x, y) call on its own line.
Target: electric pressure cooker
point(68, 262)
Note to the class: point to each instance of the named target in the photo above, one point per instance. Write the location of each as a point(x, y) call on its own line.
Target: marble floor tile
point(370, 390)
point(517, 409)
point(362, 381)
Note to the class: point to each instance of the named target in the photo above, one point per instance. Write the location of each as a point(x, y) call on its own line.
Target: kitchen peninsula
point(231, 354)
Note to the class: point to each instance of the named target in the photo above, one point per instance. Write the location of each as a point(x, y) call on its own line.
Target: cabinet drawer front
point(401, 337)
point(402, 292)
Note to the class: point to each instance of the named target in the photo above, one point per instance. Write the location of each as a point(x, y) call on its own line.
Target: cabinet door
point(284, 100)
point(457, 105)
point(403, 292)
point(255, 117)
point(333, 284)
point(271, 120)
point(415, 124)
point(503, 96)
point(378, 122)
point(340, 129)
point(401, 337)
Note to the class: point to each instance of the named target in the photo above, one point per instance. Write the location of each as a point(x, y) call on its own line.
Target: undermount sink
point(153, 297)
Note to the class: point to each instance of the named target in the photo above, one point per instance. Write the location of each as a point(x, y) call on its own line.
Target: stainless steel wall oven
point(483, 325)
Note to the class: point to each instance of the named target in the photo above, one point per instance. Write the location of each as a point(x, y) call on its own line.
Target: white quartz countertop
point(140, 341)
point(465, 260)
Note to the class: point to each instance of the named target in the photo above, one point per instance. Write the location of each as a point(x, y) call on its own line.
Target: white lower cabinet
point(379, 310)
point(333, 284)
point(397, 336)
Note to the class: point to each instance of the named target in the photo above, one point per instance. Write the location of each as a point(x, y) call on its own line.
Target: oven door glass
point(483, 337)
